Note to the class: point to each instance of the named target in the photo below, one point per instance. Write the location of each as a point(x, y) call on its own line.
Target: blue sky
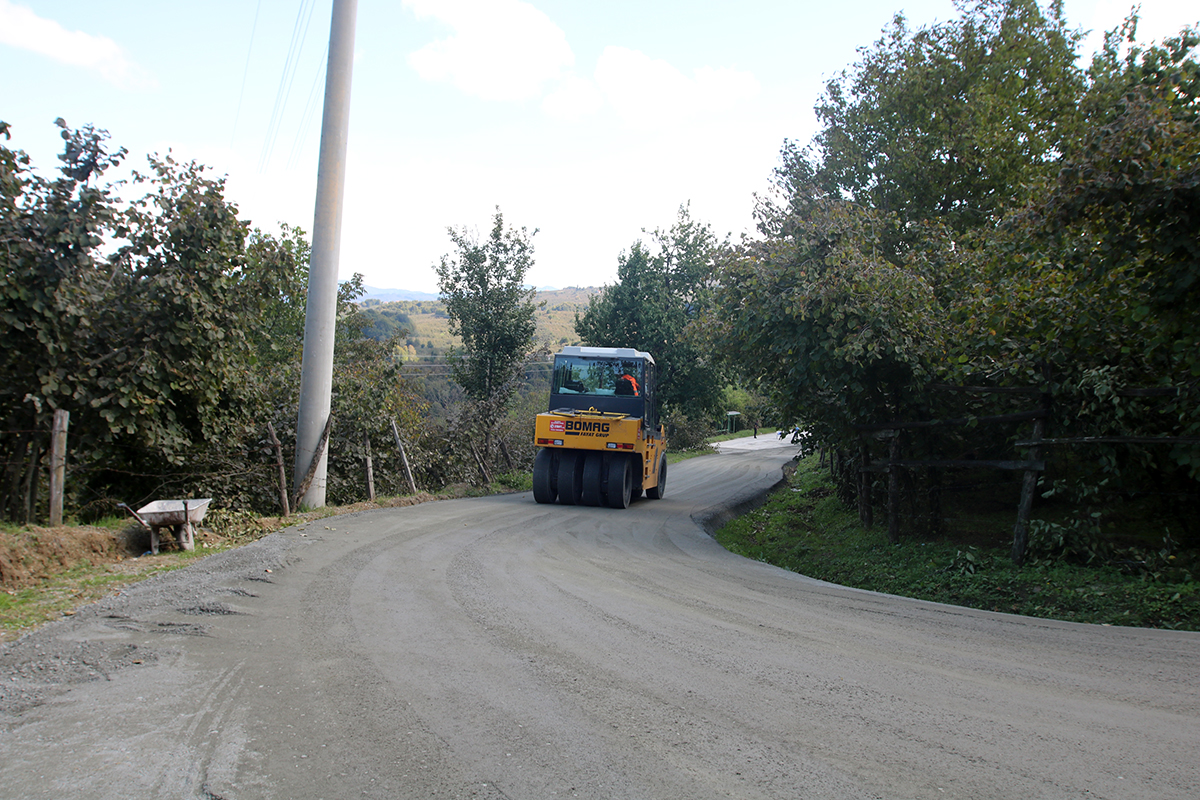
point(589, 121)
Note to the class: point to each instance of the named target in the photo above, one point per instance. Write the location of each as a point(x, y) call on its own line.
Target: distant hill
point(429, 328)
point(390, 295)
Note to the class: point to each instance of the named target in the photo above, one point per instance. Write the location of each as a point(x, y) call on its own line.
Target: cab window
point(607, 377)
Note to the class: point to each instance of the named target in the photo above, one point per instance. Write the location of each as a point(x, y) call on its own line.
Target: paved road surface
point(495, 648)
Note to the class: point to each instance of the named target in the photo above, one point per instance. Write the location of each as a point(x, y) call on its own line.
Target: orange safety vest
point(633, 382)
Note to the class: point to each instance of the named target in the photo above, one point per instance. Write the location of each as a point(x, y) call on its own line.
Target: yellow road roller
point(600, 442)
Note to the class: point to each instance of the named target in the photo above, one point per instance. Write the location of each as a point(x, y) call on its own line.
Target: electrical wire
point(309, 109)
point(290, 66)
point(245, 73)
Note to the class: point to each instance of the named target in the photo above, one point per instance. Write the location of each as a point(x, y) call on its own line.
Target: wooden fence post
point(864, 486)
point(894, 489)
point(283, 496)
point(504, 452)
point(1028, 487)
point(370, 468)
point(403, 458)
point(483, 470)
point(58, 465)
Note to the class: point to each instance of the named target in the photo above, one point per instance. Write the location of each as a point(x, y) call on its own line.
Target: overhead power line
point(290, 65)
point(245, 72)
point(310, 108)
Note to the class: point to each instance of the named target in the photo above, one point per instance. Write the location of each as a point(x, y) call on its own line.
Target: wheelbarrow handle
point(135, 514)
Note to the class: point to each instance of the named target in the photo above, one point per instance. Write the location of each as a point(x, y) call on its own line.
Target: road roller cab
point(600, 442)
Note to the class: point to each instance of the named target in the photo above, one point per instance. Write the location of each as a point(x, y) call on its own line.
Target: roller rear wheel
point(593, 479)
point(656, 492)
point(545, 477)
point(620, 482)
point(570, 478)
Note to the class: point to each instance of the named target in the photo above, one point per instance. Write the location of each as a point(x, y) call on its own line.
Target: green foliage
point(145, 345)
point(966, 562)
point(806, 529)
point(387, 323)
point(492, 312)
point(490, 309)
point(275, 276)
point(834, 331)
point(686, 434)
point(977, 211)
point(235, 524)
point(1077, 541)
point(514, 481)
point(1079, 536)
point(171, 332)
point(955, 120)
point(752, 406)
point(658, 293)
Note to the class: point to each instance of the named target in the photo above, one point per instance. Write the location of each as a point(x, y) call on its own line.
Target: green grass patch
point(25, 608)
point(515, 481)
point(675, 456)
point(747, 433)
point(806, 529)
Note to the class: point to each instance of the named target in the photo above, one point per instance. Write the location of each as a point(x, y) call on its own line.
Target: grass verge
point(27, 607)
point(806, 529)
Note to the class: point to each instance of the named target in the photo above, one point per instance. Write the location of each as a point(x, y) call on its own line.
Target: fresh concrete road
point(495, 648)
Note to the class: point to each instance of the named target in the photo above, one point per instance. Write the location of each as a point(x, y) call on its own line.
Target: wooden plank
point(1113, 440)
point(302, 489)
point(1157, 391)
point(967, 463)
point(946, 387)
point(1019, 416)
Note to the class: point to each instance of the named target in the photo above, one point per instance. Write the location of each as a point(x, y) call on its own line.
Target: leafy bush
point(805, 528)
point(684, 433)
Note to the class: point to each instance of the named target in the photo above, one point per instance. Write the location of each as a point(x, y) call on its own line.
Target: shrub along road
point(495, 648)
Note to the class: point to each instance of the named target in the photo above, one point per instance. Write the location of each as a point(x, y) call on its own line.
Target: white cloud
point(499, 49)
point(573, 99)
point(649, 91)
point(20, 27)
point(721, 88)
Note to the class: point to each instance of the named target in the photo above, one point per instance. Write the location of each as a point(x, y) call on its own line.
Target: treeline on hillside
point(978, 210)
point(425, 325)
point(171, 331)
point(424, 341)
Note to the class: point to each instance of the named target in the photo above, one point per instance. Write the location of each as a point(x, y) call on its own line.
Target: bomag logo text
point(581, 426)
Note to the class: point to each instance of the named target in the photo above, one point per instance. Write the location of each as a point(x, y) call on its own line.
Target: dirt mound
point(34, 554)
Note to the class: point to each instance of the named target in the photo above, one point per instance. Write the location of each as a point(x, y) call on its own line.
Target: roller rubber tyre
point(620, 482)
point(593, 479)
point(545, 477)
point(570, 477)
point(656, 492)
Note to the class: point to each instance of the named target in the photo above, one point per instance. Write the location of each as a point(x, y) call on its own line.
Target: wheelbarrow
point(178, 515)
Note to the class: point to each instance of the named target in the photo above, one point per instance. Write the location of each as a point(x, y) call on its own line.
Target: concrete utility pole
point(320, 316)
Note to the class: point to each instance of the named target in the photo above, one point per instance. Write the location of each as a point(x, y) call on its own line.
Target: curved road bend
point(495, 648)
